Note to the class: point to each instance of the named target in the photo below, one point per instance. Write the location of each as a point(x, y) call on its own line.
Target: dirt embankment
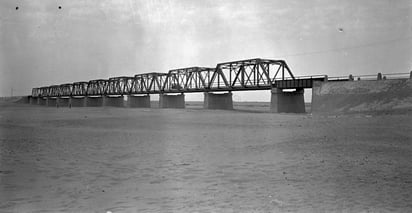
point(385, 96)
point(14, 99)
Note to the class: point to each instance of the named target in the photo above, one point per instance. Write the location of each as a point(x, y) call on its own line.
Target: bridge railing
point(302, 77)
point(339, 78)
point(384, 76)
point(397, 75)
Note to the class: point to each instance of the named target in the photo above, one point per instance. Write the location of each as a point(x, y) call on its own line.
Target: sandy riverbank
point(194, 160)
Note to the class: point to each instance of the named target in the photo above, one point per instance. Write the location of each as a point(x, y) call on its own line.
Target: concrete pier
point(138, 101)
point(292, 102)
point(41, 101)
point(172, 101)
point(63, 101)
point(379, 76)
point(96, 101)
point(218, 101)
point(77, 102)
point(113, 101)
point(51, 102)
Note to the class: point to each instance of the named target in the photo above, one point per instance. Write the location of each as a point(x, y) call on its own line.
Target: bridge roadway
point(250, 74)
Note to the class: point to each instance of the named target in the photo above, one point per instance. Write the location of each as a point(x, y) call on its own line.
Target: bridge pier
point(63, 101)
point(77, 102)
point(51, 102)
point(42, 101)
point(94, 101)
point(218, 101)
point(292, 102)
point(172, 101)
point(138, 101)
point(113, 101)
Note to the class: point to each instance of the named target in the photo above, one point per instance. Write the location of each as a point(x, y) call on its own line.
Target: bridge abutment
point(51, 102)
point(172, 101)
point(292, 102)
point(25, 100)
point(77, 102)
point(138, 101)
point(113, 101)
point(218, 101)
point(96, 101)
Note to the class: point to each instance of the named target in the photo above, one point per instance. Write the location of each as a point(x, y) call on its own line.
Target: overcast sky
point(42, 45)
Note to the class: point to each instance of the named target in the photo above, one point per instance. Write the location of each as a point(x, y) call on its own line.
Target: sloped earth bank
point(377, 97)
point(193, 160)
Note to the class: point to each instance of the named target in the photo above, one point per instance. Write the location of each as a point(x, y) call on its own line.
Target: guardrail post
point(379, 76)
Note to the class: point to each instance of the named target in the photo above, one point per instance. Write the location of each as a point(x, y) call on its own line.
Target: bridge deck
point(305, 82)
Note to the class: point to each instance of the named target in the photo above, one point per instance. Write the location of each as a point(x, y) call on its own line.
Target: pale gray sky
point(42, 45)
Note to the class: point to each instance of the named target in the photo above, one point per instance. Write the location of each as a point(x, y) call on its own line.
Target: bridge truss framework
point(250, 74)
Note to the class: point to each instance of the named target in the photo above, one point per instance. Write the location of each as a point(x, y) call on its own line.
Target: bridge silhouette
point(242, 75)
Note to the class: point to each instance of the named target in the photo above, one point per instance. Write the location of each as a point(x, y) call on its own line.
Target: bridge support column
point(292, 102)
point(172, 101)
point(138, 101)
point(63, 102)
point(218, 101)
point(113, 101)
point(51, 102)
point(77, 102)
point(41, 101)
point(94, 101)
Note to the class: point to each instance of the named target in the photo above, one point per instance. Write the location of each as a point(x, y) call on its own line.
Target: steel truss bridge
point(251, 74)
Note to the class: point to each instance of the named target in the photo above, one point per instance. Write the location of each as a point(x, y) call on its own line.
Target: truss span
point(250, 74)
